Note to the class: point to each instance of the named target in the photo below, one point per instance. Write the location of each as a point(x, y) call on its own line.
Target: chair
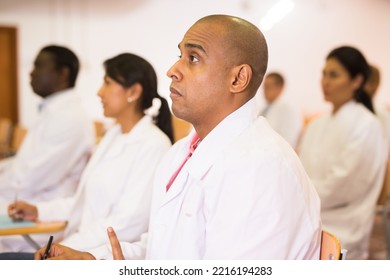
point(10, 150)
point(5, 131)
point(330, 247)
point(17, 137)
point(100, 130)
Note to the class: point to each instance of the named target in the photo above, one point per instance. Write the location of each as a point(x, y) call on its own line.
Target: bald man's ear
point(242, 74)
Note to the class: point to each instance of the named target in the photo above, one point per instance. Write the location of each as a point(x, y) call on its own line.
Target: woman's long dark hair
point(355, 63)
point(128, 69)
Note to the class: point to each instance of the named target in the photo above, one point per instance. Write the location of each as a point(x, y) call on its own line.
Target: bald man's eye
point(193, 58)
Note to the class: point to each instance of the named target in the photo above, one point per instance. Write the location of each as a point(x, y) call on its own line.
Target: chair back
point(17, 137)
point(5, 131)
point(330, 247)
point(100, 130)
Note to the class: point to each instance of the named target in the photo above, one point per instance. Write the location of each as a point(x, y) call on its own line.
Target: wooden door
point(8, 74)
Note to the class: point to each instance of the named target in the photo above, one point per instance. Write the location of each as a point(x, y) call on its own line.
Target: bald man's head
point(243, 43)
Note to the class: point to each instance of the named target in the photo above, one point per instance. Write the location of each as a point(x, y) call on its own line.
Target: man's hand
point(115, 245)
point(60, 252)
point(21, 210)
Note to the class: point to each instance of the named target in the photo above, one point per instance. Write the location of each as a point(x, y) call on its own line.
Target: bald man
point(243, 193)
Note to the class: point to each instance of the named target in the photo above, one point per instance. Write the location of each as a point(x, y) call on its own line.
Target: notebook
point(7, 222)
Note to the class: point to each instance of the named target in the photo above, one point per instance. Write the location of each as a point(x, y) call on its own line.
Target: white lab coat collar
point(104, 147)
point(55, 98)
point(129, 138)
point(345, 109)
point(211, 146)
point(221, 136)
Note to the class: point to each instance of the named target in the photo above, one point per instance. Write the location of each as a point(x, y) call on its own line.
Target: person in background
point(116, 186)
point(232, 189)
point(344, 152)
point(282, 116)
point(371, 87)
point(56, 148)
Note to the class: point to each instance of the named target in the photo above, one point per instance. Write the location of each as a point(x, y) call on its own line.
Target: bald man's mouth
point(174, 93)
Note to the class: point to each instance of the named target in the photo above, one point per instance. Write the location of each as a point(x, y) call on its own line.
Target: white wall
point(99, 29)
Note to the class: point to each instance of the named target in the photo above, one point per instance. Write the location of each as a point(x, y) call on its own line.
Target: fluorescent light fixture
point(276, 14)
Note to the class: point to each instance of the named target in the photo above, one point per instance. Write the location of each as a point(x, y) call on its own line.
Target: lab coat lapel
point(178, 184)
point(195, 168)
point(129, 139)
point(79, 196)
point(223, 135)
point(209, 149)
point(104, 145)
point(115, 150)
point(176, 187)
point(96, 157)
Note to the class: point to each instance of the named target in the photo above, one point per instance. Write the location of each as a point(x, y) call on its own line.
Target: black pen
point(47, 248)
point(16, 203)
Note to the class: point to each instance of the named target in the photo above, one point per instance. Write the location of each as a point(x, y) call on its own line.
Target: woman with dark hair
point(344, 152)
point(116, 186)
point(129, 70)
point(356, 65)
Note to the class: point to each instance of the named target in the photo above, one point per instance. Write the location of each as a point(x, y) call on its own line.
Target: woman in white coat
point(344, 152)
point(115, 188)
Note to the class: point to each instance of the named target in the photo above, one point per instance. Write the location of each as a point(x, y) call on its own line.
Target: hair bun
point(154, 110)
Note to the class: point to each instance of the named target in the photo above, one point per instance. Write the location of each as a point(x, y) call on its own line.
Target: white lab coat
point(115, 189)
point(285, 120)
point(53, 154)
point(384, 117)
point(242, 195)
point(344, 155)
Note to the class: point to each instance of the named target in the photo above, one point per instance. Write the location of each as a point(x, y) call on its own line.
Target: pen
point(45, 255)
point(15, 201)
point(16, 216)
